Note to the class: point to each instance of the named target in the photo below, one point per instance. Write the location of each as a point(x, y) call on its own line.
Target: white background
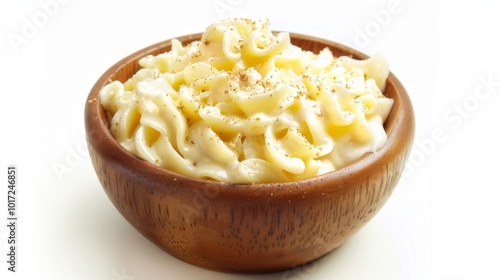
point(442, 221)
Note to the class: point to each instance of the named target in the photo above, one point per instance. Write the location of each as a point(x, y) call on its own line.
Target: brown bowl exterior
point(239, 227)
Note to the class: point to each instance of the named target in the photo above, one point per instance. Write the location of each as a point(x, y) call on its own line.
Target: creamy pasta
point(244, 105)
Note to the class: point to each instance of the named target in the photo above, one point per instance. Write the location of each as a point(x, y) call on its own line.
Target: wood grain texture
point(239, 227)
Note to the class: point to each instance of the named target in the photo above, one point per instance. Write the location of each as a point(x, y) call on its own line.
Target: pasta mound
point(244, 105)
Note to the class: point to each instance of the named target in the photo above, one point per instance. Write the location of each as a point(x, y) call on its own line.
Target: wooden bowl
point(250, 228)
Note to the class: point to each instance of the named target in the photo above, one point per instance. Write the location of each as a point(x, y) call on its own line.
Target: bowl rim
point(401, 127)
